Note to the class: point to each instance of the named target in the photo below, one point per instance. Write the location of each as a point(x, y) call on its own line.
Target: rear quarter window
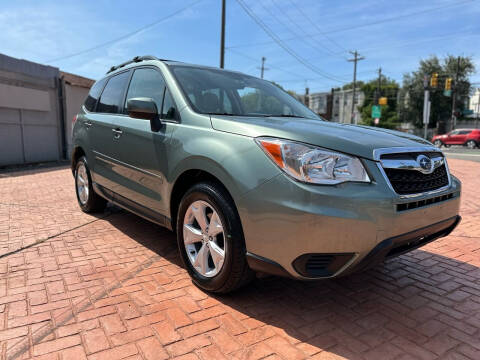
point(93, 95)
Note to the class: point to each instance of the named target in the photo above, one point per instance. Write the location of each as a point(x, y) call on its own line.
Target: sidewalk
point(112, 287)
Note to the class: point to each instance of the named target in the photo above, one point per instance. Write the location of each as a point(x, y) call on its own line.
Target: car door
point(142, 153)
point(452, 138)
point(463, 135)
point(102, 139)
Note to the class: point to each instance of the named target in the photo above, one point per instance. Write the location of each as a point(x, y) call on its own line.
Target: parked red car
point(467, 137)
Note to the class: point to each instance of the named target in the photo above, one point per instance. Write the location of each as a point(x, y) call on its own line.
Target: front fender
point(237, 161)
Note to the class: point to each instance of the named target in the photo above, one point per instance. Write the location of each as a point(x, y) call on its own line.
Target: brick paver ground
point(112, 287)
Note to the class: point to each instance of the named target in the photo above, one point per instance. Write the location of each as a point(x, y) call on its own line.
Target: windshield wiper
point(283, 115)
point(220, 113)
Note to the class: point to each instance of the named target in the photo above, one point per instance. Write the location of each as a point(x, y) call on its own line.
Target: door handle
point(117, 133)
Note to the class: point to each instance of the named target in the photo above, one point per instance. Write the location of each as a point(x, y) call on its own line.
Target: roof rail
point(134, 60)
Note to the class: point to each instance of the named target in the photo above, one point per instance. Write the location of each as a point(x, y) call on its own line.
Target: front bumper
point(285, 221)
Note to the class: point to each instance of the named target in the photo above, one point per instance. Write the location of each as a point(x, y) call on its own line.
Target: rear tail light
point(74, 120)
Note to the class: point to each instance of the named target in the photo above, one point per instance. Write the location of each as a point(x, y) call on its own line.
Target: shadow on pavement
point(420, 302)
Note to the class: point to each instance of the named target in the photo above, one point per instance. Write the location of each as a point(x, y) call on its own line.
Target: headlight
point(311, 164)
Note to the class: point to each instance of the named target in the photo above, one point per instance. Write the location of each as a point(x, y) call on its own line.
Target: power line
point(372, 71)
point(390, 44)
point(256, 60)
point(270, 33)
point(314, 24)
point(372, 23)
point(126, 36)
point(319, 46)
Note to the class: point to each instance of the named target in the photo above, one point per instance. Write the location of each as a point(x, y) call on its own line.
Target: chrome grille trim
point(377, 154)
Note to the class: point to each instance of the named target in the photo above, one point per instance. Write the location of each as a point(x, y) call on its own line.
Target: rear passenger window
point(112, 96)
point(147, 83)
point(93, 95)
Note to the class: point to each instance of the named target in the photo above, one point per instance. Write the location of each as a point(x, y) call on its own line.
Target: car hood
point(351, 139)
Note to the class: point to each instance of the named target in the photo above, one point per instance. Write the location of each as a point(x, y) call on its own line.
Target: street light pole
point(222, 37)
point(454, 97)
point(355, 59)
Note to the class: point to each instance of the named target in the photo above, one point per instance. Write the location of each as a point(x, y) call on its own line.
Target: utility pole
point(426, 107)
point(262, 68)
point(222, 38)
point(379, 86)
point(454, 96)
point(355, 59)
point(478, 110)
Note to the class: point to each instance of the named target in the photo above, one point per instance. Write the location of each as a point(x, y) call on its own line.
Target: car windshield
point(219, 92)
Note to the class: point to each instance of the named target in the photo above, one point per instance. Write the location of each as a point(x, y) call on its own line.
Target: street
point(462, 153)
point(111, 286)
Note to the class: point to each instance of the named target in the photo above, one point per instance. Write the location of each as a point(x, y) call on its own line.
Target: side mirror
point(142, 108)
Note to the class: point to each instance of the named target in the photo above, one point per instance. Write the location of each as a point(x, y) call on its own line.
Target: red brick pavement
point(111, 287)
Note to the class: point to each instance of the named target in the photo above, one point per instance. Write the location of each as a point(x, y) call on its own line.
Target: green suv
point(250, 179)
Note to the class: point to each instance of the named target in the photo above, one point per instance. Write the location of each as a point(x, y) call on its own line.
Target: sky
point(305, 42)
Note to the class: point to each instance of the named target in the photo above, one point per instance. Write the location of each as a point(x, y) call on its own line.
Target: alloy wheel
point(82, 184)
point(204, 238)
point(471, 144)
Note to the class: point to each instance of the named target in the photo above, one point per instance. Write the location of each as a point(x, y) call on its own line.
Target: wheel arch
point(77, 153)
point(185, 181)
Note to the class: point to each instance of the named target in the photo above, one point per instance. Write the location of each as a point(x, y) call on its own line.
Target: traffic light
point(382, 101)
point(434, 80)
point(448, 84)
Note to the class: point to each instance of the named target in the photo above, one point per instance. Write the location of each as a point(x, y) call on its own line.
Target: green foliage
point(412, 95)
point(389, 89)
point(350, 85)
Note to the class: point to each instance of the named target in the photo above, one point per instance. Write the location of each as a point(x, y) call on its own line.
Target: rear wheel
point(471, 144)
point(88, 200)
point(210, 239)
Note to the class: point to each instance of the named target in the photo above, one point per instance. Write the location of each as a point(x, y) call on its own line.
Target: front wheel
point(88, 200)
point(438, 143)
point(210, 239)
point(471, 144)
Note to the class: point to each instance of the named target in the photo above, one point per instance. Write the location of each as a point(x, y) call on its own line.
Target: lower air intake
point(320, 265)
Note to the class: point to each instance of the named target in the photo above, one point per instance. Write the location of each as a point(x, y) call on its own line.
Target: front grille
point(413, 181)
point(421, 203)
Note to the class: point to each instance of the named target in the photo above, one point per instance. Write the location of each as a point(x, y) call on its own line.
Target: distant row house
point(336, 105)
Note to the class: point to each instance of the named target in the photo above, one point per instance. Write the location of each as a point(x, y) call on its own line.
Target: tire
point(438, 143)
point(471, 144)
point(88, 200)
point(204, 200)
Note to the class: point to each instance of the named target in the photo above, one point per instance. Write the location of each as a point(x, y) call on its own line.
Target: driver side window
point(147, 83)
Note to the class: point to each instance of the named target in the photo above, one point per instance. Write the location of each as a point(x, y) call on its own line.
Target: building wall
point(319, 102)
point(74, 98)
point(30, 129)
point(474, 103)
point(37, 105)
point(342, 106)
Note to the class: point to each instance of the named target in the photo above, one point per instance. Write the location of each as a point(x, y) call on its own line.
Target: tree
point(389, 89)
point(411, 109)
